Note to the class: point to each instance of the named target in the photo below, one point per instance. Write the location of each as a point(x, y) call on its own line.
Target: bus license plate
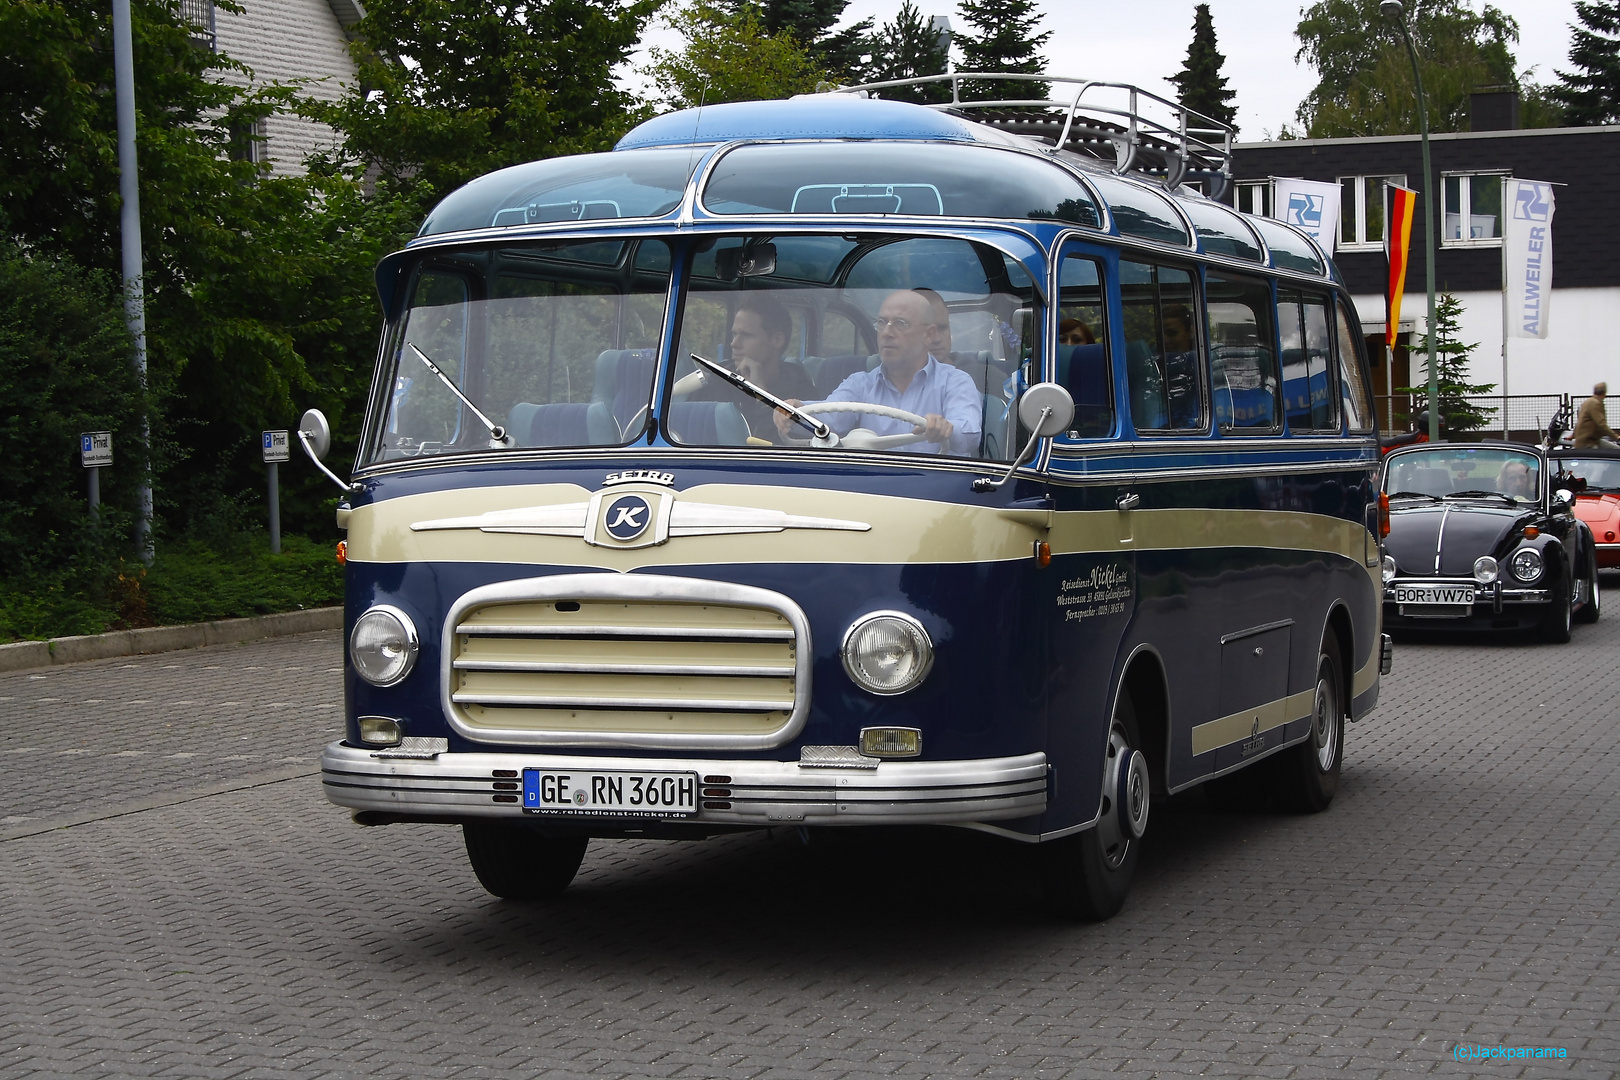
point(588, 793)
point(1451, 594)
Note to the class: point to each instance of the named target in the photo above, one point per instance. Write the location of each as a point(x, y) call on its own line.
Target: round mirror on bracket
point(1052, 400)
point(316, 432)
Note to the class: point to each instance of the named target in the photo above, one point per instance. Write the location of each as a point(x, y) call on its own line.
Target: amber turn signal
point(1531, 532)
point(342, 552)
point(1383, 514)
point(1043, 554)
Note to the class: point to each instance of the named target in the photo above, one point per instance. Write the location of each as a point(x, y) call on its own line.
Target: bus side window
point(1162, 358)
point(1358, 405)
point(1082, 350)
point(1302, 326)
point(1241, 357)
point(839, 335)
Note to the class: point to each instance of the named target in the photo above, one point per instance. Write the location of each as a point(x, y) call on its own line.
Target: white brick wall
point(284, 40)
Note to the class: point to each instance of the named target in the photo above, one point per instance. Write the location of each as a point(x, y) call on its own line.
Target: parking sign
point(275, 446)
point(95, 449)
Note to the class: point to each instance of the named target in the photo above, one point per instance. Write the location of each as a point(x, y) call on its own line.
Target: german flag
point(1397, 248)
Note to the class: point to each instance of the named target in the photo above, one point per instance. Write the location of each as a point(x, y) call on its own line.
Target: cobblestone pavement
point(212, 916)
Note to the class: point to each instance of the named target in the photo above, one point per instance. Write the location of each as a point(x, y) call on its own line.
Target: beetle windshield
point(906, 344)
point(1447, 471)
point(1599, 474)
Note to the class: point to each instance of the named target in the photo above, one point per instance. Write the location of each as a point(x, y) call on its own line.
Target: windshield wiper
point(1414, 495)
point(497, 434)
point(1476, 493)
point(820, 430)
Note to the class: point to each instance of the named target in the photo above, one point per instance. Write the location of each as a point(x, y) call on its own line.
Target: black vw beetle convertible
point(1481, 536)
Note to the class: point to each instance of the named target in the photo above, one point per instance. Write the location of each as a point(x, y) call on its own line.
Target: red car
point(1594, 477)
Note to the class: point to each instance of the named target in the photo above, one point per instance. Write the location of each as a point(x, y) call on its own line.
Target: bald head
point(1601, 389)
point(905, 331)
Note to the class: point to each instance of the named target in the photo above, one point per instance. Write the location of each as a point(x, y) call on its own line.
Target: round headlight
point(383, 646)
point(887, 652)
point(1389, 569)
point(1485, 570)
point(1526, 564)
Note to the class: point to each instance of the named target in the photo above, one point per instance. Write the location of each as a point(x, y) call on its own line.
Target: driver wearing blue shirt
point(909, 378)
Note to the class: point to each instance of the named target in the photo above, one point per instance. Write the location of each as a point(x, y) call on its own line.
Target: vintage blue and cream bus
point(841, 461)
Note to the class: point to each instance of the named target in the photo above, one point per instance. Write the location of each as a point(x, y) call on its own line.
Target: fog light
point(887, 652)
point(383, 645)
point(891, 742)
point(379, 730)
point(1485, 570)
point(1389, 569)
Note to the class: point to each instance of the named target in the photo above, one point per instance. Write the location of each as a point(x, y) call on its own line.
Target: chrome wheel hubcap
point(1325, 726)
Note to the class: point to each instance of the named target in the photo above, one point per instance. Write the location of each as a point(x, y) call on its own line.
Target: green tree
point(906, 49)
point(1005, 40)
point(1591, 93)
point(729, 55)
point(1451, 362)
point(1200, 84)
point(812, 23)
point(1365, 83)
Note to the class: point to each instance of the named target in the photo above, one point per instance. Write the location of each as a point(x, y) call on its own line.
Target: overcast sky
point(1145, 41)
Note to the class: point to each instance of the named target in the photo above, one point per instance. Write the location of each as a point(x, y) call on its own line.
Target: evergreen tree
point(728, 55)
point(905, 49)
point(1200, 84)
point(1451, 361)
point(1591, 94)
point(811, 24)
point(1006, 41)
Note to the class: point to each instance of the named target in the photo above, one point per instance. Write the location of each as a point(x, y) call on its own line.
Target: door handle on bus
point(1128, 500)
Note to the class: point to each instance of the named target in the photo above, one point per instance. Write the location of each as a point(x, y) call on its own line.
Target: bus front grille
point(614, 668)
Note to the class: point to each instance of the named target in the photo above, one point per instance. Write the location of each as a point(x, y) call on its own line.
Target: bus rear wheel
point(515, 863)
point(1087, 876)
point(1307, 773)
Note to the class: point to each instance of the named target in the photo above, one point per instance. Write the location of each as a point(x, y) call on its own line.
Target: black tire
point(1556, 624)
point(515, 863)
point(1088, 875)
point(1590, 611)
point(1306, 775)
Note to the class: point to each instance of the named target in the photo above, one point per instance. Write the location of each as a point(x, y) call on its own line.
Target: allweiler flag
point(1527, 256)
point(1397, 247)
point(1310, 206)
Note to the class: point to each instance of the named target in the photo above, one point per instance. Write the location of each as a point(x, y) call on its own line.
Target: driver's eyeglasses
point(881, 325)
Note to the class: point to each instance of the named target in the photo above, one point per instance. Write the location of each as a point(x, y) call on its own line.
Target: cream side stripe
point(1241, 725)
point(916, 531)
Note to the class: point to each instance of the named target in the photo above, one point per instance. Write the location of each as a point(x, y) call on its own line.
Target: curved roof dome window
point(1289, 250)
point(1142, 213)
point(1221, 231)
point(888, 178)
point(628, 184)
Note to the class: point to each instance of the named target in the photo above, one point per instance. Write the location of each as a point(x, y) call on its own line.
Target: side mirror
point(1564, 495)
point(1045, 409)
point(316, 434)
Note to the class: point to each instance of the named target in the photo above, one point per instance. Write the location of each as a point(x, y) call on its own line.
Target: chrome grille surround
point(645, 589)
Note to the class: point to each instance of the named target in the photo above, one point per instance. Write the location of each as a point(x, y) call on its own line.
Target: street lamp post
point(1394, 9)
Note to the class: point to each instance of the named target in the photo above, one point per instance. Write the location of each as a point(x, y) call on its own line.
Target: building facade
point(1582, 345)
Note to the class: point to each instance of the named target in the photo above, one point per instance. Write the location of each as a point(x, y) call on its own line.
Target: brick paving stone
point(1462, 888)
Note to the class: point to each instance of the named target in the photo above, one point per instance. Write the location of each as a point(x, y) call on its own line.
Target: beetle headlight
point(1526, 564)
point(1389, 569)
point(1485, 570)
point(383, 645)
point(887, 652)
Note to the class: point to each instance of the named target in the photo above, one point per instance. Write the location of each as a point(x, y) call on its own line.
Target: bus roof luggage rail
point(1144, 133)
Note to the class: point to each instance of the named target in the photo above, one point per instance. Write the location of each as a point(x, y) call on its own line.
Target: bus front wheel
point(515, 863)
point(1087, 875)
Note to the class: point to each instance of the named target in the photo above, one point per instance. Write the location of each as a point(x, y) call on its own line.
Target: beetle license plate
point(589, 793)
point(1439, 594)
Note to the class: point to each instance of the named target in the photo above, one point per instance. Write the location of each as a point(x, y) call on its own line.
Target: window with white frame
point(1362, 209)
point(1472, 209)
point(1254, 198)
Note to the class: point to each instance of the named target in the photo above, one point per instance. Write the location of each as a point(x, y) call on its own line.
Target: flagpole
point(1503, 231)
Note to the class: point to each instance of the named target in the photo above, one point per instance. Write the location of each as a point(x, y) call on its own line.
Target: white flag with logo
point(1527, 256)
point(1309, 205)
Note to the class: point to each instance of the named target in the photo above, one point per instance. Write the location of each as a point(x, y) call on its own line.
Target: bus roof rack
point(1141, 131)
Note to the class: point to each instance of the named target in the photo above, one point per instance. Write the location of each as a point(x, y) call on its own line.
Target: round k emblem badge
point(627, 517)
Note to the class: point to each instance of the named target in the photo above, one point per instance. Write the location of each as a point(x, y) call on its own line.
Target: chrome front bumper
point(453, 786)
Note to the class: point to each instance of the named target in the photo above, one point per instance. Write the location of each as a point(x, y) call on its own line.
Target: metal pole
point(1503, 230)
point(130, 226)
point(1393, 7)
point(275, 510)
point(95, 490)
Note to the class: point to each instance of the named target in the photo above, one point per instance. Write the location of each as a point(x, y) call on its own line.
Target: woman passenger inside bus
point(909, 377)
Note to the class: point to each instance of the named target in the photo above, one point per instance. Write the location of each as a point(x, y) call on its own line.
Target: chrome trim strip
point(683, 632)
point(1239, 635)
point(460, 785)
point(624, 704)
point(633, 587)
point(544, 667)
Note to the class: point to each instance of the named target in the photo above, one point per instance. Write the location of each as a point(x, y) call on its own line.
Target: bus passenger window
point(1162, 359)
point(1242, 360)
point(1302, 326)
point(1358, 403)
point(1082, 350)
